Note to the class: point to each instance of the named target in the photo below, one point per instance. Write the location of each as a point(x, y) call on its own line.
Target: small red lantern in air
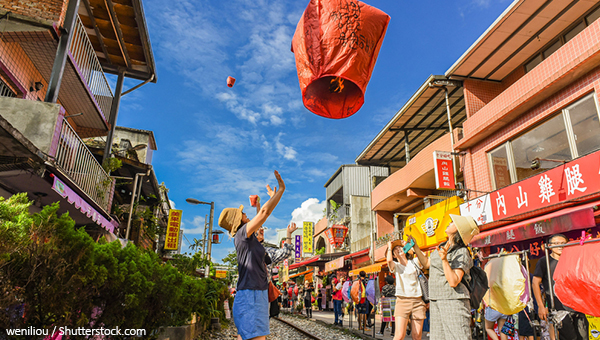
point(230, 81)
point(336, 46)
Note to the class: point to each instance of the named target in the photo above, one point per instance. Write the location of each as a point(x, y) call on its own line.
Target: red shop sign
point(444, 171)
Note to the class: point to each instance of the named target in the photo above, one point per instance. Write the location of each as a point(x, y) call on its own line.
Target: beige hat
point(466, 226)
point(230, 219)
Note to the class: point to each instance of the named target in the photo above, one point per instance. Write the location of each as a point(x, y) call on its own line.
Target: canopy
point(374, 268)
point(303, 273)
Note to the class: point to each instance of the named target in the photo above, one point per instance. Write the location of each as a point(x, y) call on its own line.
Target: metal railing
point(90, 69)
point(77, 161)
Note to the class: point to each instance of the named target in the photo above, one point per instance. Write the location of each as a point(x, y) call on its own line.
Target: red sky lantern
point(336, 46)
point(230, 81)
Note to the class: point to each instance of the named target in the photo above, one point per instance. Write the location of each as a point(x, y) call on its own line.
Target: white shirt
point(407, 282)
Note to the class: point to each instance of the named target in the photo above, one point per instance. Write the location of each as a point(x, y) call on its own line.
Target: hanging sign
point(308, 231)
point(334, 264)
point(172, 239)
point(480, 209)
point(444, 170)
point(428, 226)
point(298, 247)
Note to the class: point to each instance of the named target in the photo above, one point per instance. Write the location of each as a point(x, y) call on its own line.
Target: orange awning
point(374, 268)
point(303, 273)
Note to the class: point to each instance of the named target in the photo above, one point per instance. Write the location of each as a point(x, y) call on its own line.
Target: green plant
point(320, 251)
point(333, 216)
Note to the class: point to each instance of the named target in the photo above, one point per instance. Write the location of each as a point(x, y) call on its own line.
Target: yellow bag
point(507, 284)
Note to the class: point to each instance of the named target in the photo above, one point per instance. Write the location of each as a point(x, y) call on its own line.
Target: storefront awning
point(573, 218)
point(374, 268)
point(357, 254)
point(305, 262)
point(303, 273)
point(334, 264)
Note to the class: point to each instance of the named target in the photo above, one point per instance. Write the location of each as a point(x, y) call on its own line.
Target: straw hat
point(466, 226)
point(230, 219)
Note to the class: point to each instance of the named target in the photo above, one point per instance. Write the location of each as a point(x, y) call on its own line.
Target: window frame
point(568, 129)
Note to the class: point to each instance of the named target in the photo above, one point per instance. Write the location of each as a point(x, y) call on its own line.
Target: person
point(525, 329)
point(319, 298)
point(540, 276)
point(491, 317)
point(363, 308)
point(409, 297)
point(449, 305)
point(337, 302)
point(323, 301)
point(308, 289)
point(251, 304)
point(388, 303)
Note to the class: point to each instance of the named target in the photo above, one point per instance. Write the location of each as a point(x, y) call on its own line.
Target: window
point(574, 31)
point(533, 63)
point(584, 120)
point(499, 165)
point(548, 141)
point(572, 133)
point(593, 16)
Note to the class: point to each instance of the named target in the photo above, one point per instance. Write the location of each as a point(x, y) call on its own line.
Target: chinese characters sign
point(566, 182)
point(298, 247)
point(444, 170)
point(308, 237)
point(284, 272)
point(480, 209)
point(172, 239)
point(428, 226)
point(578, 219)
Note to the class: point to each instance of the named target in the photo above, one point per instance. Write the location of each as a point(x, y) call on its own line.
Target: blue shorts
point(492, 315)
point(251, 313)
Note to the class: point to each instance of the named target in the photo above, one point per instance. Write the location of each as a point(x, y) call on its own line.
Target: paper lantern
point(336, 44)
point(230, 81)
point(336, 235)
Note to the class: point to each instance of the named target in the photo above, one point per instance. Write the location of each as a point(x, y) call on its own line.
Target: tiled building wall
point(477, 175)
point(48, 10)
point(478, 93)
point(580, 52)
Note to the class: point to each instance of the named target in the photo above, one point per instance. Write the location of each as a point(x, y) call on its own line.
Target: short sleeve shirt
point(541, 271)
point(251, 261)
point(407, 281)
point(439, 288)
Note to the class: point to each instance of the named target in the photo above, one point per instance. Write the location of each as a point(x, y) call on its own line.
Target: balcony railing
point(90, 69)
point(77, 161)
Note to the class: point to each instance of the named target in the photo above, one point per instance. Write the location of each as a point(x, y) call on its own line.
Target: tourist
point(450, 305)
point(251, 304)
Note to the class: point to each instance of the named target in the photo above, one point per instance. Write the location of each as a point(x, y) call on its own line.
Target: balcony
point(391, 194)
point(43, 125)
point(28, 55)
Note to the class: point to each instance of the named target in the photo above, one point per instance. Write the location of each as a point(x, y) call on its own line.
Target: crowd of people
point(409, 301)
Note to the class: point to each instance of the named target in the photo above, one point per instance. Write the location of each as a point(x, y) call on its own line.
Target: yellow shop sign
point(428, 226)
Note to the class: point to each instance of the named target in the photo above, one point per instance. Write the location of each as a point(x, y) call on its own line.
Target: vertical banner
point(444, 170)
point(172, 240)
point(298, 247)
point(284, 272)
point(308, 230)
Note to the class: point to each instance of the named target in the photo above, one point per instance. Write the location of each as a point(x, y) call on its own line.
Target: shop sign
point(298, 247)
point(572, 180)
point(308, 230)
point(444, 170)
point(334, 264)
point(579, 219)
point(535, 246)
point(480, 209)
point(221, 274)
point(284, 272)
point(428, 226)
point(172, 239)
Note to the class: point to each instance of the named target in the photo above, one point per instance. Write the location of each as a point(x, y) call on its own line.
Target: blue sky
point(222, 144)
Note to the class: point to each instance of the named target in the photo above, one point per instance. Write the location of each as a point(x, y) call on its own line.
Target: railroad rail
point(312, 336)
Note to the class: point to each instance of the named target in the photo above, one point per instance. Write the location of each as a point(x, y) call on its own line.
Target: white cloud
point(310, 210)
point(286, 152)
point(197, 225)
point(172, 204)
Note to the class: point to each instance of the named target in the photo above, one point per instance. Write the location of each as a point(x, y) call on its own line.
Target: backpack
point(357, 292)
point(477, 287)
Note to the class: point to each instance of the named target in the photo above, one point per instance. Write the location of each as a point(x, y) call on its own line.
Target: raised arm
point(422, 258)
point(267, 208)
point(453, 276)
point(390, 259)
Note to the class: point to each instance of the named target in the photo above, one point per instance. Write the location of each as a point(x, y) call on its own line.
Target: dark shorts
point(525, 328)
point(363, 308)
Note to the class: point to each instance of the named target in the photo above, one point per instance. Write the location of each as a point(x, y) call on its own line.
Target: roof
point(148, 132)
point(117, 30)
point(525, 28)
point(423, 118)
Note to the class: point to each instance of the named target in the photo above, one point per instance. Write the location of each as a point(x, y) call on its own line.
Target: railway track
point(300, 330)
